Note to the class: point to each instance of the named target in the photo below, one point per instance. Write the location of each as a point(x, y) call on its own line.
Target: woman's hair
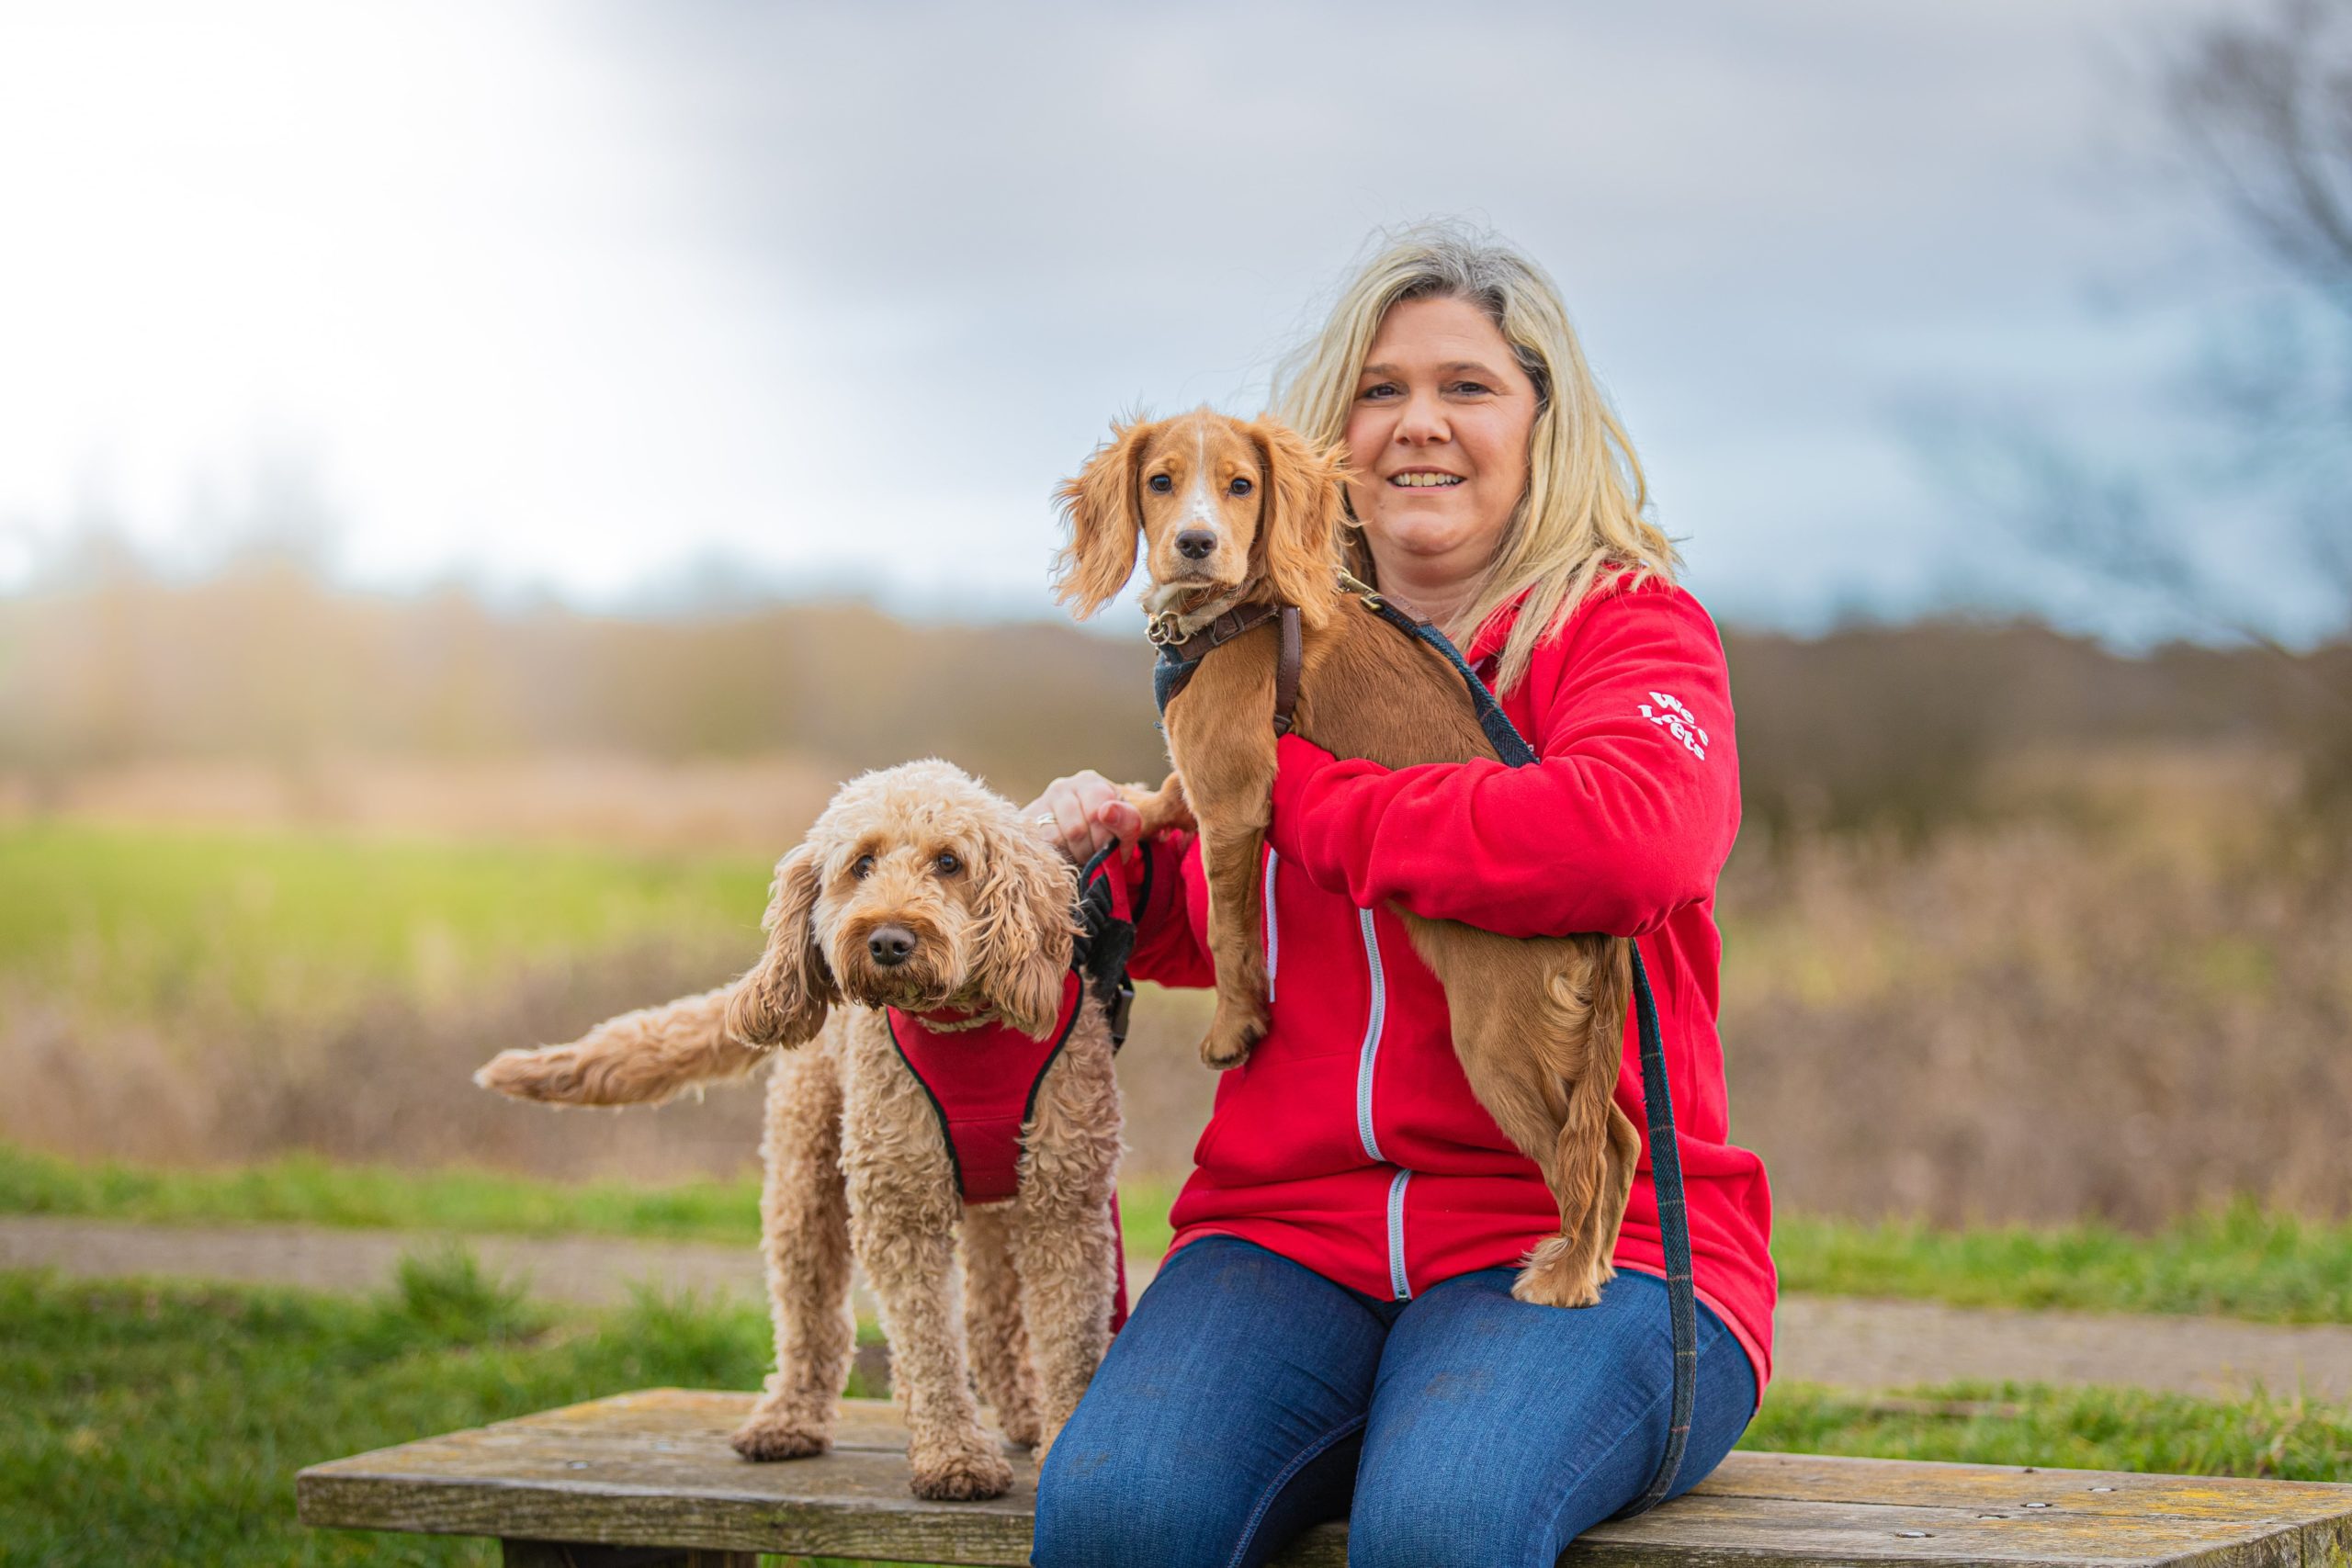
point(1581, 516)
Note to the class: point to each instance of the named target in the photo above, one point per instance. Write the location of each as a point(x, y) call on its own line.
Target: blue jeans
point(1248, 1397)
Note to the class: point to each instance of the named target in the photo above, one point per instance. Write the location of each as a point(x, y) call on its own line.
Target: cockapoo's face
point(916, 889)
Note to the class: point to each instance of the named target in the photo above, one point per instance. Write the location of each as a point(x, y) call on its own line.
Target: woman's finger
point(1119, 819)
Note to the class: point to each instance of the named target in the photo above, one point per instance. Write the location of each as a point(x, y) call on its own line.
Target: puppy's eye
point(948, 864)
point(1239, 486)
point(1160, 484)
point(863, 867)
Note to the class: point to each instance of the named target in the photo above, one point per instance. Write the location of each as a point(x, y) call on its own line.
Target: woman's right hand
point(1082, 813)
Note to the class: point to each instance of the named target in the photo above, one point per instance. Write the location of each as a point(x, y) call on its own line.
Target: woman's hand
point(1084, 812)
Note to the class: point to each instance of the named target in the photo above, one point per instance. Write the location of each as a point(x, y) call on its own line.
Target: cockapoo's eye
point(1160, 484)
point(1239, 486)
point(863, 867)
point(948, 864)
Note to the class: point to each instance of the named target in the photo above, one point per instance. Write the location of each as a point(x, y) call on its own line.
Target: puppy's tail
point(639, 1058)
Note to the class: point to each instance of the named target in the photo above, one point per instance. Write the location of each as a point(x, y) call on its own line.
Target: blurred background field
point(2019, 929)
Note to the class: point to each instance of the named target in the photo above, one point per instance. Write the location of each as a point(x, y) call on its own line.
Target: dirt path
point(1826, 1339)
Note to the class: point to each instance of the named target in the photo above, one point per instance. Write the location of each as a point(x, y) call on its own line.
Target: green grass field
point(2239, 1263)
point(148, 916)
point(157, 1422)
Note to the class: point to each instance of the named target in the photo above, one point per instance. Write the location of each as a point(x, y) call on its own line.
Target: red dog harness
point(983, 1080)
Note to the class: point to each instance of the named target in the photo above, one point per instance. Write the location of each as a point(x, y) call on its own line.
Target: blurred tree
point(2250, 510)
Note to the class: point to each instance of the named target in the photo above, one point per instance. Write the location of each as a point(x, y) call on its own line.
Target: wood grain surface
point(653, 1469)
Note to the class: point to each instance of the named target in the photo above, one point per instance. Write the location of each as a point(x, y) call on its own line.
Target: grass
point(2239, 1262)
point(154, 1422)
point(2075, 1428)
point(302, 1189)
point(151, 917)
point(165, 1422)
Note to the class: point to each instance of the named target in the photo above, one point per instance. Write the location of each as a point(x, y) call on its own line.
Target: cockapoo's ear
point(1298, 520)
point(1024, 921)
point(1104, 506)
point(782, 1001)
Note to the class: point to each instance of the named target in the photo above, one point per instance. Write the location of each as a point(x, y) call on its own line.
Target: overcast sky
point(615, 300)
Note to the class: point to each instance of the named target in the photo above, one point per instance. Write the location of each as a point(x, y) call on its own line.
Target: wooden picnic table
point(648, 1478)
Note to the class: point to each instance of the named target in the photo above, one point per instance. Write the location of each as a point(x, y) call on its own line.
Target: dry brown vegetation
point(2019, 929)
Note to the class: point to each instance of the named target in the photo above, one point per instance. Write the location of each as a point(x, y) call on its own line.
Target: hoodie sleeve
point(1168, 950)
point(1626, 817)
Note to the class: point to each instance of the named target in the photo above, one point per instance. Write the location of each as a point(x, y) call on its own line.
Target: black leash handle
point(1657, 1103)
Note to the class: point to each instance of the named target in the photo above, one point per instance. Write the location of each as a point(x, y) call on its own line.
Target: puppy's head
point(917, 889)
point(1225, 512)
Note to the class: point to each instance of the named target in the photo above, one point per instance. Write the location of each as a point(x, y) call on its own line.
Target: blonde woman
point(1332, 1334)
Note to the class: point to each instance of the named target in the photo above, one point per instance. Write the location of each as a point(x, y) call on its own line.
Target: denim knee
point(1116, 1506)
point(1436, 1531)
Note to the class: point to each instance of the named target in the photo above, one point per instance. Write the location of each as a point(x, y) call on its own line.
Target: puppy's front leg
point(1220, 734)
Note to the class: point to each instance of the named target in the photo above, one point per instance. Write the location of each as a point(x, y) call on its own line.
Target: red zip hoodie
point(1349, 1141)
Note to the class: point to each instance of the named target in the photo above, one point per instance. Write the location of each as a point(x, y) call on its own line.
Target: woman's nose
point(1421, 420)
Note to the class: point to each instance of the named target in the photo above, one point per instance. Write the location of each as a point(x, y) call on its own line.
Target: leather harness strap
point(1179, 658)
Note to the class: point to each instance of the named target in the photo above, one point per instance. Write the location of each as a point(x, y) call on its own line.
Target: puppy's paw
point(1555, 1275)
point(965, 1471)
point(1231, 1033)
point(774, 1433)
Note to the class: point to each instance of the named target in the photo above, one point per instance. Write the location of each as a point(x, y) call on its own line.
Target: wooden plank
point(653, 1469)
point(573, 1554)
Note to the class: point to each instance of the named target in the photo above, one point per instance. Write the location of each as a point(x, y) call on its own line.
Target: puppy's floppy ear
point(1104, 506)
point(1025, 915)
point(1299, 516)
point(783, 999)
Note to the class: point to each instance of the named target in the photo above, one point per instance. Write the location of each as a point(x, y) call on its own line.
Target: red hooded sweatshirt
point(1349, 1141)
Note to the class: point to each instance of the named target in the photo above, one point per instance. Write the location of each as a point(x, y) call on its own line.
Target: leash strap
point(1108, 942)
point(1657, 1101)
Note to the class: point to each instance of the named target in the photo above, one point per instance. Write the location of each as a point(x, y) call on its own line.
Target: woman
point(1334, 1331)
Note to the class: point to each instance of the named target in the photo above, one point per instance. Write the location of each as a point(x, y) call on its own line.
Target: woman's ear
point(783, 999)
point(1024, 919)
point(1104, 506)
point(1299, 517)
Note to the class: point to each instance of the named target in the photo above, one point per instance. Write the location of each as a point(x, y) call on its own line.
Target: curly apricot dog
point(922, 900)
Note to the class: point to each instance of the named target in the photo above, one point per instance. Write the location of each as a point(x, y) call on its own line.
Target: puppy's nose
point(1194, 544)
point(890, 946)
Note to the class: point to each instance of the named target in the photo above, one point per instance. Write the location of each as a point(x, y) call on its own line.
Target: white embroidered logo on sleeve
point(1678, 721)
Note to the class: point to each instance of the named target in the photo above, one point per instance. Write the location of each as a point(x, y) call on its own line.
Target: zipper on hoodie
point(1373, 1023)
point(1273, 934)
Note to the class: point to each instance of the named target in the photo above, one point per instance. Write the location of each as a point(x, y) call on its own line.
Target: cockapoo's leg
point(910, 1256)
point(804, 1214)
point(992, 1323)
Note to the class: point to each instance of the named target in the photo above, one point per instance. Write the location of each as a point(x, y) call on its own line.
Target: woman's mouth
point(1424, 479)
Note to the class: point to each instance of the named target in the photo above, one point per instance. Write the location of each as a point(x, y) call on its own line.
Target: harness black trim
point(1657, 1102)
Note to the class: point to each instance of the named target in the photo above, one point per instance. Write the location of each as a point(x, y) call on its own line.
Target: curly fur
point(855, 1162)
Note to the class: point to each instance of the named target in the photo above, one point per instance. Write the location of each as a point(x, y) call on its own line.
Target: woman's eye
point(1160, 484)
point(1472, 387)
point(1377, 389)
point(1239, 486)
point(948, 864)
point(863, 867)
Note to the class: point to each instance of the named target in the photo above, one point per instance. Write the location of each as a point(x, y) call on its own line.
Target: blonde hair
point(1581, 516)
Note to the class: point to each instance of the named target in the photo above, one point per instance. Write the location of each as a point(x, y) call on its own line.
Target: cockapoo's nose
point(1194, 544)
point(890, 946)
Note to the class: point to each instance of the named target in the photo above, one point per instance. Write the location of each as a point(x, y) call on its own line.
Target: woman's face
point(1438, 436)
